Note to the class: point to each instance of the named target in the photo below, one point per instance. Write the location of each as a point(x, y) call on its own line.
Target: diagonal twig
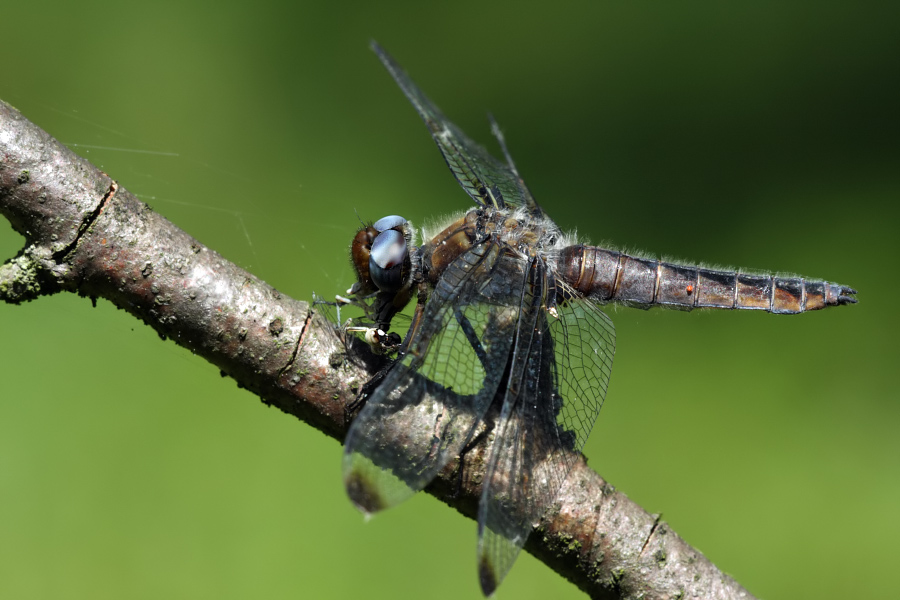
point(87, 235)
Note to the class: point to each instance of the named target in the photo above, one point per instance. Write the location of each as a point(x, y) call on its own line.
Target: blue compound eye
point(385, 223)
point(387, 258)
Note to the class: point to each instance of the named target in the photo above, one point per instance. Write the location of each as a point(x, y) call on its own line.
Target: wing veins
point(416, 421)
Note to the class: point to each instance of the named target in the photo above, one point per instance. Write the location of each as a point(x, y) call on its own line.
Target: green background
point(761, 135)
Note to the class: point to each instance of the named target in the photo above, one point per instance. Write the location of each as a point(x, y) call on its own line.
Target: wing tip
point(363, 493)
point(487, 577)
point(386, 59)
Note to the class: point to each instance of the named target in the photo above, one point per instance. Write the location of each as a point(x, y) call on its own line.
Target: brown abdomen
point(610, 276)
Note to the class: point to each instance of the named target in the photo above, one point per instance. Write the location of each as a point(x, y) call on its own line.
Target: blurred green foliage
point(758, 135)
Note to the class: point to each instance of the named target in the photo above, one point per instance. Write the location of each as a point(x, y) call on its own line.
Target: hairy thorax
point(519, 232)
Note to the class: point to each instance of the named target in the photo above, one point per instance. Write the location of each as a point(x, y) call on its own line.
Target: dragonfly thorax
point(516, 230)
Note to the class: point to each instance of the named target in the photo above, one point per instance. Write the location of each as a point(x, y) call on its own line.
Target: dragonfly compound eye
point(387, 260)
point(389, 222)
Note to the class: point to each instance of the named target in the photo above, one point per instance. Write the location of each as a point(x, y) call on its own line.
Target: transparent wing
point(558, 379)
point(584, 342)
point(434, 397)
point(487, 180)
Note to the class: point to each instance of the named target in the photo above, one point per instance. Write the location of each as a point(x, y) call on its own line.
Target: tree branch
point(86, 234)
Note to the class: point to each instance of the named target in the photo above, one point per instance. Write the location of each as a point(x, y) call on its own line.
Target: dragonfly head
point(380, 256)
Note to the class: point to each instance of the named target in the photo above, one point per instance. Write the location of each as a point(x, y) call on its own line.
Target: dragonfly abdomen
point(611, 276)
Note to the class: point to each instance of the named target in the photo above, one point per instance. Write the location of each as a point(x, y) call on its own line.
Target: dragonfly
point(508, 340)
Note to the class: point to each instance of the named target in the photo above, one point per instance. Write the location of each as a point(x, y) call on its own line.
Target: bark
point(87, 235)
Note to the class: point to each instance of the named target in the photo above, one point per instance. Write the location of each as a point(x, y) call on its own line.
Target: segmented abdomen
point(611, 276)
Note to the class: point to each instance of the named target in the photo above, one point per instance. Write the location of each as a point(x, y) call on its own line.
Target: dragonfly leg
point(471, 336)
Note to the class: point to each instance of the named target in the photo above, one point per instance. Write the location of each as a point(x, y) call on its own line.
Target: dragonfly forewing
point(487, 180)
point(434, 397)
